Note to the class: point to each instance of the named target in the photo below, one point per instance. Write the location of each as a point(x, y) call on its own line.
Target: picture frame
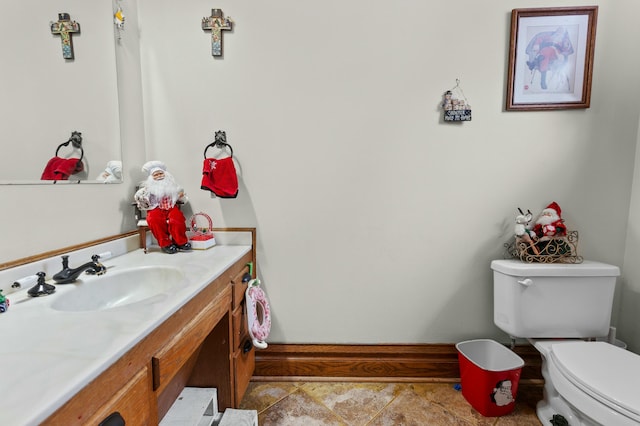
point(551, 58)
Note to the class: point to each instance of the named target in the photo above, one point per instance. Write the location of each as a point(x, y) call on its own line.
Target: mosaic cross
point(216, 23)
point(65, 27)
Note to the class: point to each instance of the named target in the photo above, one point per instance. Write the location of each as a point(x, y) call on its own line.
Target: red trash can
point(489, 375)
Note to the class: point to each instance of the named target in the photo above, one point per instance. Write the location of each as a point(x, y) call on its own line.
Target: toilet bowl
point(558, 307)
point(589, 383)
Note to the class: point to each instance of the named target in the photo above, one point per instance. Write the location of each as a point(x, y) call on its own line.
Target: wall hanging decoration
point(455, 105)
point(118, 21)
point(551, 58)
point(216, 23)
point(65, 27)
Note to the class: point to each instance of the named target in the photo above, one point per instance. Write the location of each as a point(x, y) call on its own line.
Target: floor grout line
point(445, 405)
point(380, 411)
point(325, 406)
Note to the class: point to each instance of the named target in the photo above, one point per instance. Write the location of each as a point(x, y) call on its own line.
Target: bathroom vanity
point(68, 363)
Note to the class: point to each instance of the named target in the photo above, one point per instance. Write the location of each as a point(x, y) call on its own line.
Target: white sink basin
point(143, 285)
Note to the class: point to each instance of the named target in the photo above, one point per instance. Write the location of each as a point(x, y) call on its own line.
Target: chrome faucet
point(68, 275)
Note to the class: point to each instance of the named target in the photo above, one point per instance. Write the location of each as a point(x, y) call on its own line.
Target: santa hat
point(555, 208)
point(150, 167)
point(115, 168)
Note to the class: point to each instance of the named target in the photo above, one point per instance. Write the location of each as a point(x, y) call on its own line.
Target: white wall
point(629, 324)
point(376, 220)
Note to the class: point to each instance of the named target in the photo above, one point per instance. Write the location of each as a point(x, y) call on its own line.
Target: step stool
point(232, 417)
point(194, 407)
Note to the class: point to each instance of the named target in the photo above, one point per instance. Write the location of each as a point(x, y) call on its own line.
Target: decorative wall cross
point(65, 27)
point(216, 23)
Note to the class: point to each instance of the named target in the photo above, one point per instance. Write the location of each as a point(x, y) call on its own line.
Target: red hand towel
point(219, 176)
point(61, 168)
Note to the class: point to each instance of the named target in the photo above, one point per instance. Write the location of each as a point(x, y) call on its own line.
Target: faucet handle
point(41, 288)
point(99, 268)
point(104, 256)
point(23, 282)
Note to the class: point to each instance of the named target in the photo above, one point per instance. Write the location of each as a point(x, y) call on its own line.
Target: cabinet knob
point(247, 346)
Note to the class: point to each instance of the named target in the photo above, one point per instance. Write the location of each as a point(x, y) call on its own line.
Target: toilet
point(562, 309)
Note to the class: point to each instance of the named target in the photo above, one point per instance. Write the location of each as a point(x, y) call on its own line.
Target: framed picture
point(551, 58)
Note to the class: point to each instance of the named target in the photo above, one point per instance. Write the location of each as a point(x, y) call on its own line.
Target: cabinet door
point(133, 402)
point(239, 287)
point(244, 364)
point(240, 326)
point(170, 359)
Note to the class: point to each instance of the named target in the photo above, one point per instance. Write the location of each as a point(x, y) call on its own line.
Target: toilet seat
point(258, 314)
point(603, 371)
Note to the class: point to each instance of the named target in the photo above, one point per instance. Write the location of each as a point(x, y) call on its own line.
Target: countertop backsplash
point(52, 265)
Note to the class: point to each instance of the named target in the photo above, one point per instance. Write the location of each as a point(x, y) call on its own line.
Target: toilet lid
point(606, 372)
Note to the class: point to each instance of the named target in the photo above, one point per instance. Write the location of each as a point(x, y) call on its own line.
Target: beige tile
point(377, 404)
point(356, 403)
point(518, 420)
point(446, 396)
point(525, 411)
point(299, 409)
point(522, 415)
point(409, 409)
point(262, 395)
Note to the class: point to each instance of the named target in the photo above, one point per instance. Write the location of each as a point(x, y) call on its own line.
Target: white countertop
point(47, 356)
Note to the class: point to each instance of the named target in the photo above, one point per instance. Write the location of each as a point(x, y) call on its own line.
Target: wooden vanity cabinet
point(244, 354)
point(200, 345)
point(132, 403)
point(241, 361)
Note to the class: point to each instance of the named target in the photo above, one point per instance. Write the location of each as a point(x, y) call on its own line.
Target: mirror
point(47, 97)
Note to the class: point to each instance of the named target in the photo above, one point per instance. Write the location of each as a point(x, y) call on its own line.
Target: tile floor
point(377, 404)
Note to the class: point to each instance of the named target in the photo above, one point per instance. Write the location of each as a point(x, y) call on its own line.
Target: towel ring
point(220, 142)
point(76, 141)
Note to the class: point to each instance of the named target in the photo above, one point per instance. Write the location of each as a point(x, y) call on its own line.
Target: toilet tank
point(539, 300)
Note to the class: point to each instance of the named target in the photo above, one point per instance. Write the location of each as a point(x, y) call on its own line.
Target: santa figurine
point(159, 195)
point(550, 223)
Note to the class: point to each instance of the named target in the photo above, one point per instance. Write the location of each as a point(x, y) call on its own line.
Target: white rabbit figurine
point(521, 231)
